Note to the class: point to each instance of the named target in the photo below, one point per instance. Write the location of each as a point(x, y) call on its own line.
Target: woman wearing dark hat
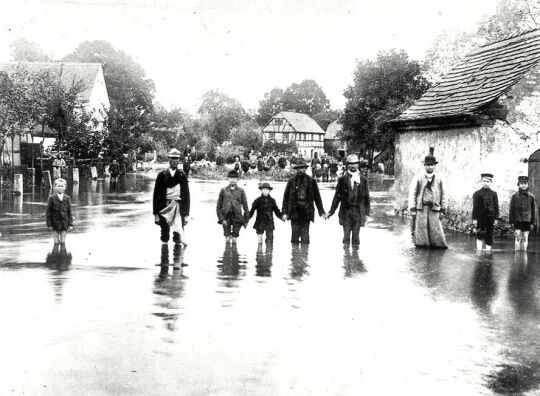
point(232, 208)
point(522, 214)
point(427, 199)
point(265, 206)
point(301, 193)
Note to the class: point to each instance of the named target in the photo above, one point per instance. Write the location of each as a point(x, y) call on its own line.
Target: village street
point(105, 318)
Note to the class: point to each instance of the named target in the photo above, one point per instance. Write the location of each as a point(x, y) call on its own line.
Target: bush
point(229, 151)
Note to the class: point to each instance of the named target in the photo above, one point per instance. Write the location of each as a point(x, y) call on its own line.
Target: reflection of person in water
point(483, 288)
point(521, 285)
point(351, 261)
point(299, 261)
point(263, 259)
point(230, 262)
point(58, 260)
point(169, 287)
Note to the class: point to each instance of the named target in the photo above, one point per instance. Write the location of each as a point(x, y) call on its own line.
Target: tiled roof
point(69, 72)
point(300, 122)
point(333, 130)
point(484, 75)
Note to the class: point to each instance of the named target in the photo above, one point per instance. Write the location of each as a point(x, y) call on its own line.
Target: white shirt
point(173, 171)
point(355, 177)
point(60, 196)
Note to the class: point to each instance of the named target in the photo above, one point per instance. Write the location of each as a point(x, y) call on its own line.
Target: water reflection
point(299, 261)
point(169, 287)
point(484, 286)
point(59, 261)
point(521, 288)
point(231, 265)
point(263, 260)
point(351, 261)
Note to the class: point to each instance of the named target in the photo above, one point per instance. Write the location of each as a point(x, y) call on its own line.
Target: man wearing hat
point(485, 212)
point(232, 208)
point(301, 193)
point(352, 194)
point(171, 200)
point(265, 206)
point(427, 199)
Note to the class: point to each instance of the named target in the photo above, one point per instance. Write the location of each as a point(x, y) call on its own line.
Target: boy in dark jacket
point(485, 212)
point(265, 206)
point(59, 218)
point(232, 208)
point(522, 213)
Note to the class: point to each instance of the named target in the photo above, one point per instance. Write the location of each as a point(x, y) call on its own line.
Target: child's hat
point(174, 153)
point(265, 185)
point(523, 179)
point(486, 175)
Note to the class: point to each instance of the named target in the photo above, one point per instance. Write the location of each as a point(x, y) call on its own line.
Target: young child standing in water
point(265, 206)
point(485, 212)
point(522, 213)
point(59, 218)
point(232, 208)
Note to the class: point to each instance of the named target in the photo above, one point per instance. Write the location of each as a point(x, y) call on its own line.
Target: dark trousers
point(351, 227)
point(232, 229)
point(300, 231)
point(269, 233)
point(484, 230)
point(166, 230)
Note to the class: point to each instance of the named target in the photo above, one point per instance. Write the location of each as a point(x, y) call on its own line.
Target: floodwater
point(109, 315)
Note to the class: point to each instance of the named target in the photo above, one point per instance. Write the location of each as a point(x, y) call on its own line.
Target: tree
point(306, 97)
point(381, 90)
point(83, 135)
point(23, 50)
point(131, 94)
point(326, 117)
point(270, 106)
point(220, 114)
point(247, 135)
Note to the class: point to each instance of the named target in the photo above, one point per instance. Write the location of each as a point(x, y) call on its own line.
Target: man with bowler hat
point(301, 193)
point(171, 200)
point(427, 200)
point(352, 194)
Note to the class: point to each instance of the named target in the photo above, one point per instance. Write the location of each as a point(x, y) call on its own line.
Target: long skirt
point(428, 230)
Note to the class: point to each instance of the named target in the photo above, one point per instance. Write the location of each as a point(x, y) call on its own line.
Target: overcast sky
point(241, 47)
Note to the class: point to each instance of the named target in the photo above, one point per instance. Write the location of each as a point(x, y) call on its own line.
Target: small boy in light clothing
point(59, 217)
point(485, 212)
point(265, 206)
point(522, 214)
point(232, 208)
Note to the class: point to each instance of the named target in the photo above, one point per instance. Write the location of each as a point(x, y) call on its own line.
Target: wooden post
point(18, 184)
point(75, 175)
point(32, 175)
point(46, 179)
point(93, 171)
point(106, 173)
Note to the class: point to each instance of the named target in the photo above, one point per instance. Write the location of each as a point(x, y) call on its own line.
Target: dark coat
point(232, 202)
point(164, 180)
point(265, 207)
point(341, 198)
point(114, 169)
point(290, 205)
point(58, 214)
point(485, 204)
point(522, 208)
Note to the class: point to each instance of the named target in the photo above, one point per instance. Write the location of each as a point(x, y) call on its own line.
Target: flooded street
point(103, 317)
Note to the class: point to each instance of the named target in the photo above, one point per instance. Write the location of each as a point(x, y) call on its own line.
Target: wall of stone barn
point(458, 154)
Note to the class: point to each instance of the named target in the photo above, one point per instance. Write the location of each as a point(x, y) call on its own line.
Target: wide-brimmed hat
point(233, 174)
point(300, 164)
point(265, 185)
point(352, 159)
point(174, 153)
point(523, 179)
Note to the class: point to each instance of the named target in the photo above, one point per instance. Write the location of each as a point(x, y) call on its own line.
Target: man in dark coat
point(485, 212)
point(352, 194)
point(301, 193)
point(171, 187)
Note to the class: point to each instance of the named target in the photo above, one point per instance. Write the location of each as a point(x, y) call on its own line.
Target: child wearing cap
point(232, 208)
point(485, 212)
point(522, 213)
point(265, 206)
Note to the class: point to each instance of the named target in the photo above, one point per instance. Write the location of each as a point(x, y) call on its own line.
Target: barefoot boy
point(59, 218)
